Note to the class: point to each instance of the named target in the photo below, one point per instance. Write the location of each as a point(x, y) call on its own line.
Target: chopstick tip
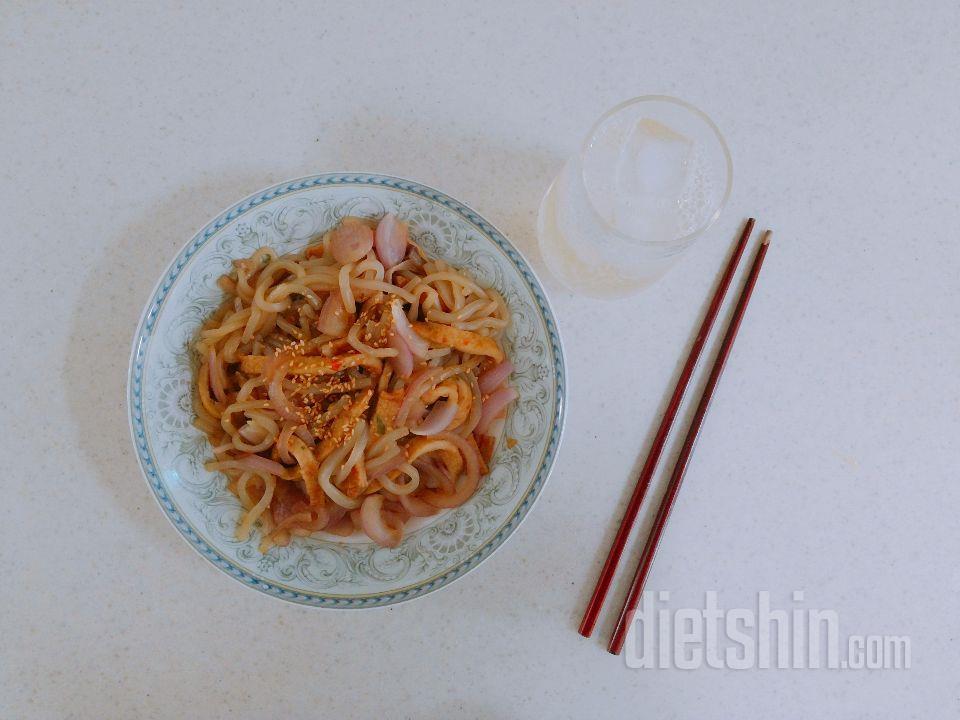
point(765, 239)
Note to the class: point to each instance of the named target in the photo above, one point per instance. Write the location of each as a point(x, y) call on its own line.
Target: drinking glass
point(651, 176)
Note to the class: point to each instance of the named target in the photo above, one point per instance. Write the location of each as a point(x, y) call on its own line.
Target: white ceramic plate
point(321, 571)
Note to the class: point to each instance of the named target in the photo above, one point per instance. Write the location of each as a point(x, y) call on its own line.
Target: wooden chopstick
point(673, 487)
point(592, 611)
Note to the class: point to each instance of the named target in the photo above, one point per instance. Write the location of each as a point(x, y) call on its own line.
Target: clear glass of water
point(651, 176)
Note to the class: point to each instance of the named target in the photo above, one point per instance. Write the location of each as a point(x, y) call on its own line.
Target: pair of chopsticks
point(673, 487)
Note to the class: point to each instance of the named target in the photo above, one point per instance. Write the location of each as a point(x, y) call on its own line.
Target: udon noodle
point(352, 386)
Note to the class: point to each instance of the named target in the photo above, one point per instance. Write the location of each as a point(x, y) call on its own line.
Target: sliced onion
point(351, 241)
point(287, 521)
point(466, 485)
point(278, 399)
point(304, 434)
point(391, 240)
point(417, 507)
point(355, 518)
point(355, 459)
point(438, 420)
point(216, 375)
point(288, 501)
point(264, 421)
point(387, 464)
point(493, 406)
point(418, 346)
point(321, 520)
point(418, 411)
point(336, 513)
point(494, 377)
point(476, 407)
point(387, 444)
point(393, 511)
point(261, 464)
point(326, 470)
point(431, 445)
point(343, 526)
point(336, 516)
point(243, 529)
point(374, 523)
point(253, 433)
point(415, 388)
point(333, 316)
point(435, 474)
point(424, 379)
point(400, 490)
point(283, 449)
point(403, 361)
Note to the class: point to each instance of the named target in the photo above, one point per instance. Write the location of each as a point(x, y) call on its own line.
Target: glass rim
point(683, 240)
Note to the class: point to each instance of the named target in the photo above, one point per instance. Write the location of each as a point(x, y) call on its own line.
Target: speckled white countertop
point(829, 459)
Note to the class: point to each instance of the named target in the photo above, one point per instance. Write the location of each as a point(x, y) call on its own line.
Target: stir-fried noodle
point(352, 386)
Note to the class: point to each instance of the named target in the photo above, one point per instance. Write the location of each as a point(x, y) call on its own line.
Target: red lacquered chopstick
point(592, 612)
point(673, 487)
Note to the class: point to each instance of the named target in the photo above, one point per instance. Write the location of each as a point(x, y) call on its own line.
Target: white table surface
point(829, 460)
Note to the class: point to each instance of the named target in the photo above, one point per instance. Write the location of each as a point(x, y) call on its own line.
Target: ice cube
point(653, 161)
point(635, 172)
point(649, 177)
